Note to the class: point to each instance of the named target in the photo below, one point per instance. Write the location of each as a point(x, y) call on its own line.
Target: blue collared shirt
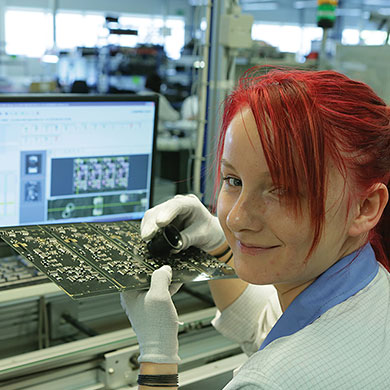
point(338, 283)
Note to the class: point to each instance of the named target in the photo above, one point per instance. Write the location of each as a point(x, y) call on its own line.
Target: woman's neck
point(287, 294)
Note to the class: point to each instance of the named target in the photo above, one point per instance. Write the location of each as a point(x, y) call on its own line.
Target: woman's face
point(269, 242)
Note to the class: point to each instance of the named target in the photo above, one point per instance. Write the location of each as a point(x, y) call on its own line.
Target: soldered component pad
point(87, 259)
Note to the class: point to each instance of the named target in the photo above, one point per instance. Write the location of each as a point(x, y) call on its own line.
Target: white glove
point(154, 319)
point(198, 227)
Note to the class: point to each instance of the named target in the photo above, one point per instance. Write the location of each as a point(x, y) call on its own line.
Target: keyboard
point(17, 272)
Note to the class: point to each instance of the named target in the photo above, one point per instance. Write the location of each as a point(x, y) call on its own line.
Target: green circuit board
point(87, 259)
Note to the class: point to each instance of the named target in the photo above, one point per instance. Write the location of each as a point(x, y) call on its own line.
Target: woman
point(305, 162)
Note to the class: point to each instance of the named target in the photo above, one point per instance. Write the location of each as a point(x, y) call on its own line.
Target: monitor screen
point(75, 158)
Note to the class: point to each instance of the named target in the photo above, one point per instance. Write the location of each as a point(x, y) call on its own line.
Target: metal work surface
point(109, 361)
point(87, 259)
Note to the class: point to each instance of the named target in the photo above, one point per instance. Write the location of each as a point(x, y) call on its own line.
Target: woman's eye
point(232, 181)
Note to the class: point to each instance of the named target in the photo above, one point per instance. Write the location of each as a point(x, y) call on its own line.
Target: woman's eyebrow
point(227, 164)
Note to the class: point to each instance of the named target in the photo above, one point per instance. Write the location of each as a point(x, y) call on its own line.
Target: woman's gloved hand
point(154, 319)
point(198, 227)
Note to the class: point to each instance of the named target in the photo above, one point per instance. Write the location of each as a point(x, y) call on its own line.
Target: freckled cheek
point(294, 229)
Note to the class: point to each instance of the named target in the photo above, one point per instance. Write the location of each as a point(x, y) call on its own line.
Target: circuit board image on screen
point(71, 158)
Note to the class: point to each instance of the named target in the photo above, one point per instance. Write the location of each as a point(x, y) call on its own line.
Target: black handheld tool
point(166, 240)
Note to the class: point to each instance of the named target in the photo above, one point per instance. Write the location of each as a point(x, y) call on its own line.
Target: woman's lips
point(254, 250)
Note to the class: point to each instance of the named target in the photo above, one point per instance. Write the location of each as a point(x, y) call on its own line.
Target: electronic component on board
point(87, 259)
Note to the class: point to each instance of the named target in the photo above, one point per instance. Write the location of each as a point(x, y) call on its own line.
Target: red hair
point(306, 119)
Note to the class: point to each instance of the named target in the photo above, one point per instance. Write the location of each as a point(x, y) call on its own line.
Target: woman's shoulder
point(330, 350)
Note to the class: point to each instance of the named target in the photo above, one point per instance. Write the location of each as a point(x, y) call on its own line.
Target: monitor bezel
point(65, 97)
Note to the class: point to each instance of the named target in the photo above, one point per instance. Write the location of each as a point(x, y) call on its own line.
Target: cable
point(46, 325)
point(79, 325)
point(202, 105)
point(40, 323)
point(43, 324)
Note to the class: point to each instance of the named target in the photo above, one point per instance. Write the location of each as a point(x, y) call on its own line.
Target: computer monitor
point(75, 158)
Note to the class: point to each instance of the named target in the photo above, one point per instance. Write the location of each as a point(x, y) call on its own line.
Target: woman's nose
point(244, 215)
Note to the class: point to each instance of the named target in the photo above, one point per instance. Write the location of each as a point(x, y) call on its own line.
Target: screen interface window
point(75, 161)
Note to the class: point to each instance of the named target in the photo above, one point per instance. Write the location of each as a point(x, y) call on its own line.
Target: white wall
point(23, 68)
point(111, 7)
point(2, 27)
point(160, 7)
point(286, 13)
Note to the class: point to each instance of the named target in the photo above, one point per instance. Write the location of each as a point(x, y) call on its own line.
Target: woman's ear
point(370, 210)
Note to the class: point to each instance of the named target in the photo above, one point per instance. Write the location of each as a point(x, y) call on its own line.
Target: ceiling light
point(259, 6)
point(348, 11)
point(254, 1)
point(376, 2)
point(50, 58)
point(305, 4)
